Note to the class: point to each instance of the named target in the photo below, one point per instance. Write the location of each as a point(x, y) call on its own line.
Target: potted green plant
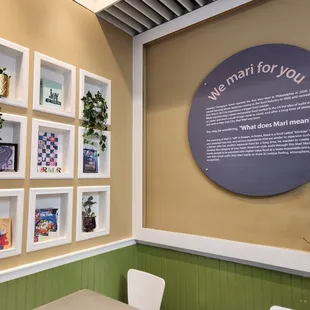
point(95, 115)
point(88, 216)
point(4, 83)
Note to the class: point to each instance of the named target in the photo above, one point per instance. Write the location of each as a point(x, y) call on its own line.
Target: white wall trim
point(285, 260)
point(96, 5)
point(88, 4)
point(267, 257)
point(28, 269)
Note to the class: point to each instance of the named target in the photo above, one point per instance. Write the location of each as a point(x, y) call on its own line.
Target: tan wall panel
point(179, 197)
point(65, 30)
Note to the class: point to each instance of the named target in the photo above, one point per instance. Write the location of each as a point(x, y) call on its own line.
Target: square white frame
point(66, 218)
point(56, 70)
point(11, 120)
point(286, 260)
point(16, 56)
point(17, 221)
point(103, 227)
point(93, 82)
point(56, 128)
point(104, 158)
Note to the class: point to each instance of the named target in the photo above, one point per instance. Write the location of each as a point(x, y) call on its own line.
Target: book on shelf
point(46, 224)
point(5, 233)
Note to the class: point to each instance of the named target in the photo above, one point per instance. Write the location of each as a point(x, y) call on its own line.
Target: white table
point(85, 300)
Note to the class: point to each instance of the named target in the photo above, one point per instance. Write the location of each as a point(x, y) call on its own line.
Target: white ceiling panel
point(138, 16)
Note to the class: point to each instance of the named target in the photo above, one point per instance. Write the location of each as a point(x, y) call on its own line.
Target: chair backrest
point(145, 291)
point(279, 308)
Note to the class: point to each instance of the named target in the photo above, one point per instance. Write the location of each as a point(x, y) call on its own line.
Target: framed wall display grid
point(52, 153)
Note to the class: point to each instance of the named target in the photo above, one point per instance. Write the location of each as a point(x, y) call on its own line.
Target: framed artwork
point(8, 157)
point(46, 224)
point(90, 161)
point(51, 93)
point(48, 152)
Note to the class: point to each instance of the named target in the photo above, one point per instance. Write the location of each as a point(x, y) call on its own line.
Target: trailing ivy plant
point(95, 115)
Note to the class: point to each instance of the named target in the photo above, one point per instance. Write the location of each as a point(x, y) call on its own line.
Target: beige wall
point(179, 197)
point(64, 30)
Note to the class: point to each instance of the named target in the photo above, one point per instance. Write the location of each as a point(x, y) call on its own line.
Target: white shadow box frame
point(65, 149)
point(52, 69)
point(94, 83)
point(45, 198)
point(101, 194)
point(104, 159)
point(12, 205)
point(14, 130)
point(15, 58)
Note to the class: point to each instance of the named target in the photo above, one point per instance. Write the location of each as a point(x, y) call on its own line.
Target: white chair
point(279, 308)
point(145, 291)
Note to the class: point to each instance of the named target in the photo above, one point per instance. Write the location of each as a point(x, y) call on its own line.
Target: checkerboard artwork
point(47, 149)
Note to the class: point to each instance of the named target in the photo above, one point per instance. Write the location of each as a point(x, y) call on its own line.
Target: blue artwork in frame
point(8, 157)
point(90, 160)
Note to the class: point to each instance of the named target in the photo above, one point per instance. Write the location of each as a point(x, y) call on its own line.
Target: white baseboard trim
point(28, 269)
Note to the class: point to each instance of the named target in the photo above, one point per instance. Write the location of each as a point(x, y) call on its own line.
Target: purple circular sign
point(249, 123)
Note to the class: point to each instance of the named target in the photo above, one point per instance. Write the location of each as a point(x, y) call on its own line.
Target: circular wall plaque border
point(249, 123)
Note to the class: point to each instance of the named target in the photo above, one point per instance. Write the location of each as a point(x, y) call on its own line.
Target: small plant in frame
point(88, 216)
point(95, 116)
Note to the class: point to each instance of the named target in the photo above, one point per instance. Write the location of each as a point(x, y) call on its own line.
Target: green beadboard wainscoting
point(192, 282)
point(104, 273)
point(200, 283)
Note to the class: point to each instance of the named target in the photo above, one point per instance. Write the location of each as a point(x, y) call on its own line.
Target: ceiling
point(137, 16)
